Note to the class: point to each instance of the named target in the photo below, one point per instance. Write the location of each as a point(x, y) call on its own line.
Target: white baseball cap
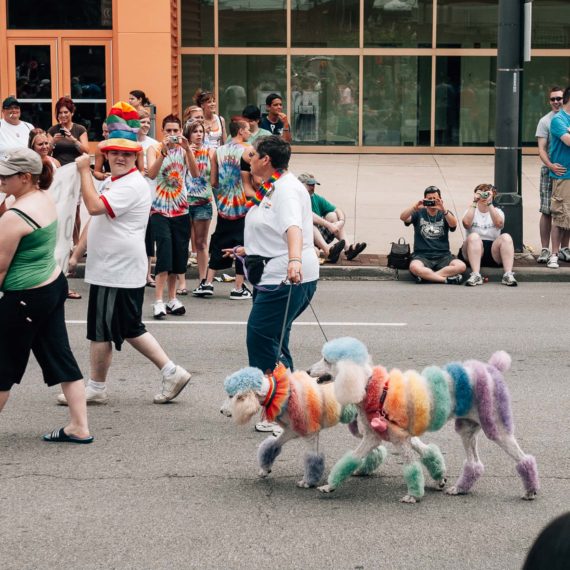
point(15, 160)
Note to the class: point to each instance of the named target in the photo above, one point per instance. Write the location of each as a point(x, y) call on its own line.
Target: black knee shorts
point(487, 259)
point(172, 237)
point(114, 314)
point(33, 320)
point(228, 233)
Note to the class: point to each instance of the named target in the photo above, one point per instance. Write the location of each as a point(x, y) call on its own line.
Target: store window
point(324, 93)
point(540, 75)
point(467, 23)
point(197, 23)
point(465, 101)
point(60, 15)
point(248, 80)
point(325, 23)
point(251, 23)
point(398, 23)
point(197, 73)
point(551, 24)
point(397, 101)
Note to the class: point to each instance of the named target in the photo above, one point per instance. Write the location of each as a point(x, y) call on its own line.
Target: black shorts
point(228, 233)
point(487, 259)
point(114, 314)
point(172, 238)
point(33, 320)
point(436, 263)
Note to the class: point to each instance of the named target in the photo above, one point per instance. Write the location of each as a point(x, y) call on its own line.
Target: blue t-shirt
point(558, 151)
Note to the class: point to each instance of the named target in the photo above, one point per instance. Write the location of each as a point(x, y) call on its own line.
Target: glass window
point(325, 23)
point(465, 101)
point(397, 101)
point(197, 73)
point(324, 91)
point(34, 84)
point(398, 23)
point(540, 75)
point(88, 88)
point(60, 15)
point(248, 80)
point(252, 23)
point(197, 23)
point(467, 23)
point(551, 24)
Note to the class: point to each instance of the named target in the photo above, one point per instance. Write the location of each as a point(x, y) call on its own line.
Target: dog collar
point(271, 392)
point(275, 401)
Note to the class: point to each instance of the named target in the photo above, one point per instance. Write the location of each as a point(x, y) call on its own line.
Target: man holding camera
point(432, 259)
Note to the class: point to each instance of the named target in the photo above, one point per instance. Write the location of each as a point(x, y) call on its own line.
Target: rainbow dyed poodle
point(301, 407)
point(395, 406)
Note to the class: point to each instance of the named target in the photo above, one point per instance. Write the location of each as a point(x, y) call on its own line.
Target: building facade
point(356, 76)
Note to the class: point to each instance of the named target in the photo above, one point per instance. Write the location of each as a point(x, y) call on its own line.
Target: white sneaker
point(544, 255)
point(553, 262)
point(564, 254)
point(92, 397)
point(173, 385)
point(509, 279)
point(269, 427)
point(175, 307)
point(159, 310)
point(240, 294)
point(474, 279)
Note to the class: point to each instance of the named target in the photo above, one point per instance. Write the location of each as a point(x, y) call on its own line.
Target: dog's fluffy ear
point(350, 382)
point(243, 407)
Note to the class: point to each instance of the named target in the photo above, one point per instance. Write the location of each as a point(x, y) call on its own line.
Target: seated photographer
point(432, 259)
point(485, 245)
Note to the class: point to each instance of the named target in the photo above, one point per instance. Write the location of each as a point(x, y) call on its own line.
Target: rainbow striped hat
point(123, 123)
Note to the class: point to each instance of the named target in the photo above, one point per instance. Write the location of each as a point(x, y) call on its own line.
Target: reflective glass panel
point(551, 24)
point(197, 73)
point(465, 101)
point(248, 80)
point(540, 75)
point(398, 23)
point(33, 82)
point(197, 23)
point(91, 116)
point(324, 91)
point(325, 23)
point(60, 14)
point(467, 23)
point(252, 23)
point(87, 67)
point(397, 101)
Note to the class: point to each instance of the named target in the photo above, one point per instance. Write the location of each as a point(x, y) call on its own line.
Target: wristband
point(293, 259)
point(445, 213)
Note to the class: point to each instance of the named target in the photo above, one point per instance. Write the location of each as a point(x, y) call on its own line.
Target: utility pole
point(513, 46)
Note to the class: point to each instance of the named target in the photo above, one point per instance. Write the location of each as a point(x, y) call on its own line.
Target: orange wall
point(142, 51)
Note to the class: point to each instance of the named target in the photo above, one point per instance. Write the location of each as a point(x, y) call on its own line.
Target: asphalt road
point(175, 486)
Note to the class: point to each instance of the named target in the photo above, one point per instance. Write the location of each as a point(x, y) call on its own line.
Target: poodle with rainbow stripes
point(398, 406)
point(301, 407)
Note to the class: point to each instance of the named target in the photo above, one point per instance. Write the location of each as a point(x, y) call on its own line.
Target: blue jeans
point(265, 323)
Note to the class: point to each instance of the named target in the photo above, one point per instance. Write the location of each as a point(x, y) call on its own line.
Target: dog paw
point(409, 499)
point(326, 489)
point(264, 473)
point(529, 496)
point(302, 484)
point(440, 485)
point(454, 491)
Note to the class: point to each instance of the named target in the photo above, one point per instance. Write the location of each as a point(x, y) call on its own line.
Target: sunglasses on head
point(556, 99)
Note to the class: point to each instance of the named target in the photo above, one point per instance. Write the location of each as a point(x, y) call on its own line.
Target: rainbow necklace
point(265, 188)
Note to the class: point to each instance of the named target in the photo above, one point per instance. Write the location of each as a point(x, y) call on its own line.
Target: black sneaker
point(204, 290)
point(455, 280)
point(239, 294)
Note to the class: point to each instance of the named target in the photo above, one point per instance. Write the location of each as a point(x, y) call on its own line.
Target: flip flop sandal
point(182, 291)
point(335, 251)
point(59, 436)
point(73, 294)
point(355, 250)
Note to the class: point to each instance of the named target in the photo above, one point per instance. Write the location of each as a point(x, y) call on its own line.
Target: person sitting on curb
point(485, 245)
point(328, 224)
point(432, 259)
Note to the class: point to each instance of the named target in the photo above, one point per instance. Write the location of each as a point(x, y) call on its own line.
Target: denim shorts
point(201, 212)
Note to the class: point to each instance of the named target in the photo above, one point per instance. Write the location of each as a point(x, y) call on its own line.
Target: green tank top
point(34, 259)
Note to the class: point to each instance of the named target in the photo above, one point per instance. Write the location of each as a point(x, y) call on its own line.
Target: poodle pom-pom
point(345, 348)
point(501, 360)
point(243, 380)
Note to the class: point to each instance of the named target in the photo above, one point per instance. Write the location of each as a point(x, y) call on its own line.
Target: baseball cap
point(14, 160)
point(307, 178)
point(10, 101)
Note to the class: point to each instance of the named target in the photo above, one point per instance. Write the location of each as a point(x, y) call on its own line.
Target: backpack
point(400, 255)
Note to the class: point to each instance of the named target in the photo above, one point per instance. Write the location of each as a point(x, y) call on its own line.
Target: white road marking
point(242, 323)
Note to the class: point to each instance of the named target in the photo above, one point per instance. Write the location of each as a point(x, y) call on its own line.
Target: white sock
point(97, 386)
point(168, 369)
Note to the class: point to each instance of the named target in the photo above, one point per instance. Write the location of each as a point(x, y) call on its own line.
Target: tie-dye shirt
point(171, 197)
point(230, 195)
point(199, 188)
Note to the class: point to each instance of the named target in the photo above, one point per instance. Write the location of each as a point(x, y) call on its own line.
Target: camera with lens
point(174, 139)
point(485, 195)
point(429, 203)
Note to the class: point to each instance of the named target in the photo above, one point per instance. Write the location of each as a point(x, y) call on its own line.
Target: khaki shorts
point(560, 203)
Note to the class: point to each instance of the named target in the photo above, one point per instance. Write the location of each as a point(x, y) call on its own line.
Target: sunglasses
point(556, 99)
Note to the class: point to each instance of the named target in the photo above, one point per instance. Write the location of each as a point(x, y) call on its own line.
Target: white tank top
point(214, 138)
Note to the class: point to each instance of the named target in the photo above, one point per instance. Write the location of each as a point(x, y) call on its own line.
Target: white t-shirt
point(116, 255)
point(14, 135)
point(266, 228)
point(484, 226)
